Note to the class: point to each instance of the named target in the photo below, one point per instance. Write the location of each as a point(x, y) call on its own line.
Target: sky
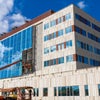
point(16, 12)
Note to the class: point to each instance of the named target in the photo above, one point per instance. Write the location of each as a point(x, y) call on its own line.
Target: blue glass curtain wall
point(12, 50)
point(12, 71)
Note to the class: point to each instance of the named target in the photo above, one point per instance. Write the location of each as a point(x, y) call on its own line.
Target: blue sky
point(38, 7)
point(15, 12)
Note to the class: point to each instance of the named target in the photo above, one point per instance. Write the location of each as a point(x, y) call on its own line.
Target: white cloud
point(2, 50)
point(7, 18)
point(17, 19)
point(5, 8)
point(81, 4)
point(16, 56)
point(4, 26)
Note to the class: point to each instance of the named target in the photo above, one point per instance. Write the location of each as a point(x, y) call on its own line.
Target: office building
point(57, 53)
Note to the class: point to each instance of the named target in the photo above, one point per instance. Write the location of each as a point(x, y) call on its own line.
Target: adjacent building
point(57, 53)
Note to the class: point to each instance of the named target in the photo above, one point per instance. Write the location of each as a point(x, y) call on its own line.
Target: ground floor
point(81, 84)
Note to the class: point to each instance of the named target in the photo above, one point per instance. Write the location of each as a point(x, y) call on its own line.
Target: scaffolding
point(16, 93)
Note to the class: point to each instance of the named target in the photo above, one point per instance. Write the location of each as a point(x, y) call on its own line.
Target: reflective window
point(54, 61)
point(61, 60)
point(83, 32)
point(88, 47)
point(46, 26)
point(46, 50)
point(60, 32)
point(97, 51)
point(55, 91)
point(66, 91)
point(69, 58)
point(14, 45)
point(82, 59)
point(86, 90)
point(36, 92)
point(78, 43)
point(68, 29)
point(45, 91)
point(68, 16)
point(52, 23)
point(60, 19)
point(13, 71)
point(61, 46)
point(83, 20)
point(54, 35)
point(46, 38)
point(93, 37)
point(53, 48)
point(75, 90)
point(61, 91)
point(99, 89)
point(80, 31)
point(97, 28)
point(94, 62)
point(85, 60)
point(79, 58)
point(50, 36)
point(69, 44)
point(46, 63)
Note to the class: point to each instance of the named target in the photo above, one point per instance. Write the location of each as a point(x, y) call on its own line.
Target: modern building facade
point(57, 53)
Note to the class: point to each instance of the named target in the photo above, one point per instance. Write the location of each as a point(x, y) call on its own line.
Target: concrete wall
point(38, 47)
point(59, 75)
point(40, 80)
point(66, 37)
point(84, 39)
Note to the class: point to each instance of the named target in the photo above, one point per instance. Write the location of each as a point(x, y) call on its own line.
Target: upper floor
point(68, 38)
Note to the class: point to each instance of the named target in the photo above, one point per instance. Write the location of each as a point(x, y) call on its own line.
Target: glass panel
point(85, 60)
point(70, 91)
point(59, 91)
point(75, 90)
point(68, 16)
point(53, 48)
point(46, 63)
point(68, 29)
point(55, 91)
point(53, 23)
point(46, 50)
point(67, 91)
point(13, 71)
point(78, 44)
point(54, 61)
point(63, 91)
point(60, 32)
point(99, 89)
point(60, 20)
point(45, 91)
point(86, 90)
point(36, 92)
point(46, 26)
point(83, 20)
point(54, 35)
point(12, 51)
point(69, 58)
point(60, 60)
